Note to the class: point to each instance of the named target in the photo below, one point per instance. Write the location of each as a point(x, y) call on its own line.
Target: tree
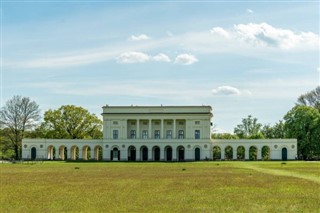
point(303, 123)
point(250, 128)
point(311, 99)
point(276, 131)
point(18, 115)
point(71, 122)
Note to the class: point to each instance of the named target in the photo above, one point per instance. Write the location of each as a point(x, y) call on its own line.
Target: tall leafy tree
point(18, 115)
point(303, 123)
point(276, 131)
point(249, 128)
point(311, 98)
point(71, 122)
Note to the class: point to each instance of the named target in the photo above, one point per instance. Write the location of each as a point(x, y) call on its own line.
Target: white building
point(157, 133)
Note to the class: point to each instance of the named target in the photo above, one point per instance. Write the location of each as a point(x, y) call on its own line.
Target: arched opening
point(197, 154)
point(284, 154)
point(144, 152)
point(132, 153)
point(33, 153)
point(86, 153)
point(168, 153)
point(240, 153)
point(51, 153)
point(228, 153)
point(74, 153)
point(216, 153)
point(156, 153)
point(98, 153)
point(265, 153)
point(180, 153)
point(115, 154)
point(253, 153)
point(63, 153)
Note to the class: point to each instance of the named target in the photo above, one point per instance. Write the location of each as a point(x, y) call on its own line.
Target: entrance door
point(169, 154)
point(284, 154)
point(132, 154)
point(197, 154)
point(157, 154)
point(33, 153)
point(181, 154)
point(145, 154)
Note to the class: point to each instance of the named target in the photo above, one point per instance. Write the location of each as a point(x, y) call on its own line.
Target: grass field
point(161, 187)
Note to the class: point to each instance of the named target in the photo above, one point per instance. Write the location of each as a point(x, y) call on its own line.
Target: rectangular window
point(133, 134)
point(145, 134)
point(197, 134)
point(115, 122)
point(115, 134)
point(157, 134)
point(181, 134)
point(197, 122)
point(169, 134)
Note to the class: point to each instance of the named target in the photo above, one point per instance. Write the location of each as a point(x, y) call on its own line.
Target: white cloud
point(267, 35)
point(133, 57)
point(226, 90)
point(140, 37)
point(220, 31)
point(161, 57)
point(185, 59)
point(249, 11)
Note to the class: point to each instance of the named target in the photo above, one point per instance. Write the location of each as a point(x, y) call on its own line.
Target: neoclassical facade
point(158, 133)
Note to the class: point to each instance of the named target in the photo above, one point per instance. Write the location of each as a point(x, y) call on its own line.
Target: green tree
point(250, 128)
point(71, 122)
point(276, 131)
point(18, 115)
point(311, 99)
point(303, 123)
point(223, 136)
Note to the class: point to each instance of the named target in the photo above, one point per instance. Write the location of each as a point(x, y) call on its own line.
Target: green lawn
point(161, 187)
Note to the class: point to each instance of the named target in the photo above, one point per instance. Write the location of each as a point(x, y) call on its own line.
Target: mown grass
point(160, 187)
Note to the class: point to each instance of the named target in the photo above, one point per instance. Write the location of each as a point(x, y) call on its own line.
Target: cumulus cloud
point(140, 37)
point(185, 59)
point(133, 57)
point(220, 31)
point(161, 57)
point(226, 90)
point(267, 35)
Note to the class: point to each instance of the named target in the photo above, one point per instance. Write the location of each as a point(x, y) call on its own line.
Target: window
point(115, 134)
point(181, 134)
point(133, 134)
point(181, 123)
point(197, 134)
point(157, 134)
point(115, 122)
point(169, 134)
point(197, 122)
point(145, 134)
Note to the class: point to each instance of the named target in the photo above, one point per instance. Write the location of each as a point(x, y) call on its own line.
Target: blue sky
point(240, 57)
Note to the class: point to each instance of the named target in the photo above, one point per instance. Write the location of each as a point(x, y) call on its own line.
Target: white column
point(162, 154)
point(150, 157)
point(222, 153)
point(246, 154)
point(138, 129)
point(234, 153)
point(174, 136)
point(150, 129)
point(174, 154)
point(138, 155)
point(56, 153)
point(162, 130)
point(259, 153)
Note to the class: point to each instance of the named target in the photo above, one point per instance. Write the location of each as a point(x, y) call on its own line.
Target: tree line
point(21, 117)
